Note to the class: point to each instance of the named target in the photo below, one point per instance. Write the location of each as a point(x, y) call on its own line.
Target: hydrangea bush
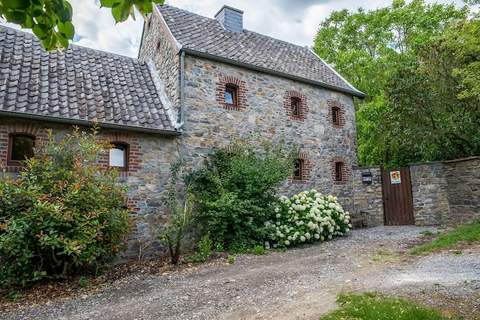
point(308, 217)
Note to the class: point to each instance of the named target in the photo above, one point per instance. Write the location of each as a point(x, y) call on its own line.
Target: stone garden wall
point(446, 192)
point(368, 197)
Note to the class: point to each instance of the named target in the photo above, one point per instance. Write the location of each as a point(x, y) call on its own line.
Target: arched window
point(295, 105)
point(336, 116)
point(339, 170)
point(231, 95)
point(118, 156)
point(20, 148)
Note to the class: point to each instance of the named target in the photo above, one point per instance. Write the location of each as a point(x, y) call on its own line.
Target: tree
point(368, 47)
point(51, 20)
point(438, 98)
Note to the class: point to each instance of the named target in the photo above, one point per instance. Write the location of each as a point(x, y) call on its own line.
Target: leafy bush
point(180, 205)
point(236, 191)
point(259, 250)
point(204, 250)
point(307, 217)
point(63, 214)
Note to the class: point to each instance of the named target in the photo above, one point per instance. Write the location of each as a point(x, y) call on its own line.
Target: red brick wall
point(222, 82)
point(306, 169)
point(39, 133)
point(346, 172)
point(341, 114)
point(134, 155)
point(302, 114)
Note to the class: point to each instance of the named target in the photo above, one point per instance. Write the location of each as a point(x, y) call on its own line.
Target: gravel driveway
point(297, 284)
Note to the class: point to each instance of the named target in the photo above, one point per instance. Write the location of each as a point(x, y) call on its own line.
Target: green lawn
point(467, 233)
point(372, 306)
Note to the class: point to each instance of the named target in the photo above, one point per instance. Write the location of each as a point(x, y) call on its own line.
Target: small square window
point(295, 106)
point(118, 156)
point(339, 167)
point(231, 95)
point(20, 148)
point(336, 116)
point(299, 168)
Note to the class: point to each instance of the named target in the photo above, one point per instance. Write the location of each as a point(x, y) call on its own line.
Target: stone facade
point(368, 198)
point(149, 168)
point(263, 109)
point(444, 193)
point(208, 123)
point(159, 47)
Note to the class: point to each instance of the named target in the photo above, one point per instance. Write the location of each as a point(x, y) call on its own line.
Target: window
point(118, 156)
point(231, 95)
point(339, 171)
point(20, 148)
point(295, 103)
point(299, 168)
point(336, 115)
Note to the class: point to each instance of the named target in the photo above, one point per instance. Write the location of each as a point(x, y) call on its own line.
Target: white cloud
point(293, 21)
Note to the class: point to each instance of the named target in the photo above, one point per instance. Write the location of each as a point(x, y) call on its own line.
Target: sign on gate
point(395, 177)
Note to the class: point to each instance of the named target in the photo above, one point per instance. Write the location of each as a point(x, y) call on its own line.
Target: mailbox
point(367, 177)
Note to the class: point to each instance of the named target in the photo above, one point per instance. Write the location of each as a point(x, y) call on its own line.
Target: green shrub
point(259, 250)
point(63, 214)
point(204, 250)
point(180, 208)
point(235, 191)
point(307, 217)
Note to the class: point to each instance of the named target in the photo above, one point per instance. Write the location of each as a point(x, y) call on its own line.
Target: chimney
point(230, 18)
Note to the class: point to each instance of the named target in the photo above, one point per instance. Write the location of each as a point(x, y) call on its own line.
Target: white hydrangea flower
point(302, 238)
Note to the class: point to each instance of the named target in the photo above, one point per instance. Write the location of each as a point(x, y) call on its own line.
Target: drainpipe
point(182, 90)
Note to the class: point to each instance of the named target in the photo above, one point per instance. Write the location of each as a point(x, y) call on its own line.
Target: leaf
point(66, 29)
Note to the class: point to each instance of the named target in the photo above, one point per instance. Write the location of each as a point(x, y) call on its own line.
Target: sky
point(295, 21)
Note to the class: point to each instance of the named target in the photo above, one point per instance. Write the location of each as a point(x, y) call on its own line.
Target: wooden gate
point(397, 197)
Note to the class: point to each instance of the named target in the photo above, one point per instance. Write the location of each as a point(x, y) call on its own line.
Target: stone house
point(198, 83)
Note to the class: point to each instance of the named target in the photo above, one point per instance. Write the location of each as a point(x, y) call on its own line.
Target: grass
point(372, 306)
point(467, 233)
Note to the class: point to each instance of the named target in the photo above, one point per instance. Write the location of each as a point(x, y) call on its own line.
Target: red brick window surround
point(336, 113)
point(20, 148)
point(295, 104)
point(118, 155)
point(231, 93)
point(302, 169)
point(132, 152)
point(340, 171)
point(20, 134)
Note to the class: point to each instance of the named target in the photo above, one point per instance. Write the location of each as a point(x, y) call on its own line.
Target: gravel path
point(297, 284)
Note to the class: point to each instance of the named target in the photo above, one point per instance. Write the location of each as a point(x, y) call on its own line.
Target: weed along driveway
point(297, 284)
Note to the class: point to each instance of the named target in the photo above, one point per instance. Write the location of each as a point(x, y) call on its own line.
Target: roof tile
point(76, 84)
point(206, 35)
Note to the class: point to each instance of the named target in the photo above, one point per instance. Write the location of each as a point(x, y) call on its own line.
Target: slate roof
point(206, 35)
point(78, 84)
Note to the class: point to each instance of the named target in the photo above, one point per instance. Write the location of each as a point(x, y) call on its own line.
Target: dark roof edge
point(270, 71)
point(80, 122)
